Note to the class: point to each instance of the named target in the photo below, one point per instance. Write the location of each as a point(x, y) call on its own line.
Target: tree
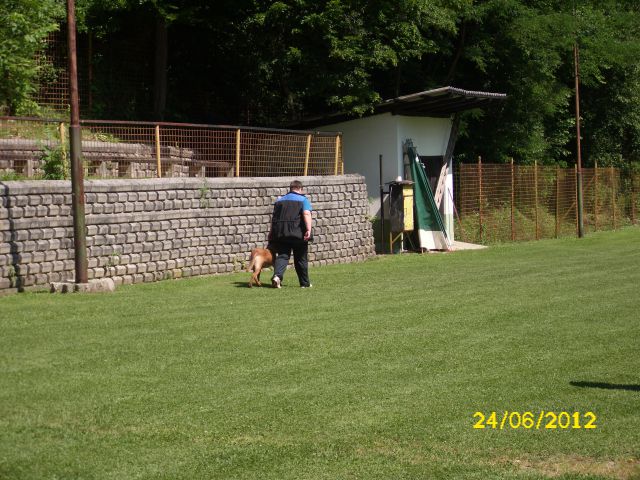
point(24, 25)
point(272, 62)
point(343, 54)
point(525, 49)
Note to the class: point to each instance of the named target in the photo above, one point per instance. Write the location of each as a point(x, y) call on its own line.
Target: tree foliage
point(526, 50)
point(273, 62)
point(24, 25)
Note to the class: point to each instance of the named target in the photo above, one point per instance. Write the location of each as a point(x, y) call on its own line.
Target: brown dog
point(260, 258)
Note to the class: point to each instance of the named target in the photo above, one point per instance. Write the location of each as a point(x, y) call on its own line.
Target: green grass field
point(375, 373)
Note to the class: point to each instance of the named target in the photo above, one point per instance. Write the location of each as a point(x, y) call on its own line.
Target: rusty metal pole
point(513, 203)
point(557, 200)
point(480, 195)
point(579, 205)
point(90, 71)
point(633, 199)
point(613, 195)
point(535, 187)
point(381, 204)
point(75, 150)
point(575, 176)
point(595, 195)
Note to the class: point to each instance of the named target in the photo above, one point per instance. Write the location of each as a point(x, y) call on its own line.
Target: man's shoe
point(306, 286)
point(275, 282)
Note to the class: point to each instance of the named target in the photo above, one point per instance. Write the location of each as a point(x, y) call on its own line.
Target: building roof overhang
point(439, 102)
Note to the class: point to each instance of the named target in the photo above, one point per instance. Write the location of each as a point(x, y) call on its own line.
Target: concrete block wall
point(156, 229)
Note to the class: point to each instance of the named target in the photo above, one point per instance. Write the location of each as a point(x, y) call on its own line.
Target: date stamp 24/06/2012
point(542, 420)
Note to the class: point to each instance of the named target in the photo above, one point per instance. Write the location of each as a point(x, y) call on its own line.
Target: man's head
point(295, 186)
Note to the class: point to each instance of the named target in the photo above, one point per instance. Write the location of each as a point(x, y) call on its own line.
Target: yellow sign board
point(407, 195)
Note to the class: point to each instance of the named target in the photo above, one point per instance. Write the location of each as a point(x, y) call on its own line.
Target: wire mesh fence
point(52, 92)
point(36, 148)
point(507, 202)
point(100, 90)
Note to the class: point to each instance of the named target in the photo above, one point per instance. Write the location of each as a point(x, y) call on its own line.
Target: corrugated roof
point(439, 102)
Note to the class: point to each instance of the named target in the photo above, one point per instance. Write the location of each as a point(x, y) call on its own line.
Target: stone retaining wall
point(156, 229)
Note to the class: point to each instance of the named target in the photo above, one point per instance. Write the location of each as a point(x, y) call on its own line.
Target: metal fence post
point(535, 189)
point(238, 152)
point(575, 178)
point(633, 199)
point(63, 151)
point(595, 195)
point(306, 157)
point(513, 201)
point(337, 158)
point(557, 201)
point(480, 194)
point(158, 159)
point(613, 196)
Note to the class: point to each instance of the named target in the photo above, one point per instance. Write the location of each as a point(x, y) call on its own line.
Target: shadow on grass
point(266, 284)
point(246, 284)
point(607, 386)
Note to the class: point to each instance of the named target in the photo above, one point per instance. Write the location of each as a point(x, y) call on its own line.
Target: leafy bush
point(54, 164)
point(10, 175)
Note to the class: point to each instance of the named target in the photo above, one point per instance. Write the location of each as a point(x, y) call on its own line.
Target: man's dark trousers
point(300, 260)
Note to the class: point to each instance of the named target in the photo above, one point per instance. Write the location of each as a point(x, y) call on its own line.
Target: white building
point(428, 119)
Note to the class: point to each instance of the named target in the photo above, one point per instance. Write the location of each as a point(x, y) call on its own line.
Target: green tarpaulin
point(428, 221)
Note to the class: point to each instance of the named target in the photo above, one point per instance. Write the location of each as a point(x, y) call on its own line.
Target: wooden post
point(238, 152)
point(535, 187)
point(513, 201)
point(337, 157)
point(306, 157)
point(557, 201)
point(159, 163)
point(613, 196)
point(595, 195)
point(63, 151)
point(480, 194)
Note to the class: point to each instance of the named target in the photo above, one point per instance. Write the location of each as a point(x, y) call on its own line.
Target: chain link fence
point(507, 202)
point(37, 148)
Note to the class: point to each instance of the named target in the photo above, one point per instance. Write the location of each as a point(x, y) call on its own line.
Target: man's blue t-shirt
point(297, 197)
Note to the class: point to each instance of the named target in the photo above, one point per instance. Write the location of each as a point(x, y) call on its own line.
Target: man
point(291, 231)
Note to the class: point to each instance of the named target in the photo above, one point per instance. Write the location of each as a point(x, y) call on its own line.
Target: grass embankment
point(376, 372)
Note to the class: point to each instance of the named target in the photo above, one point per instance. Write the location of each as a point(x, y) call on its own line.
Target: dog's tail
point(251, 263)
